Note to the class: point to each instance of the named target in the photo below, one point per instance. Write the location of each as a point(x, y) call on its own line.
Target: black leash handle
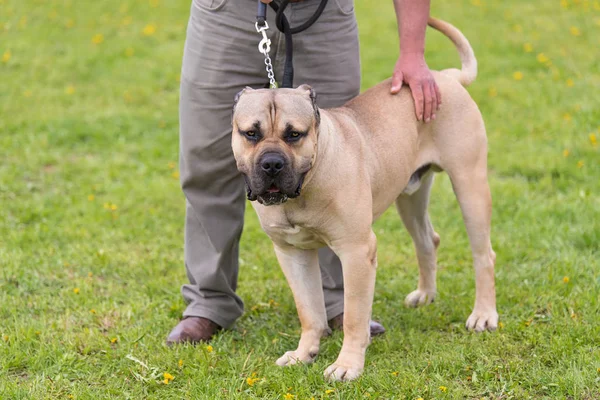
point(284, 26)
point(261, 13)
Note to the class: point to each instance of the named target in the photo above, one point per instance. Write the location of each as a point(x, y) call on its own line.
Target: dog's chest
point(294, 235)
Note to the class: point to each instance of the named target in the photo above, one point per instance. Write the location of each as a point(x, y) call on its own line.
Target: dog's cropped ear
point(313, 98)
point(237, 97)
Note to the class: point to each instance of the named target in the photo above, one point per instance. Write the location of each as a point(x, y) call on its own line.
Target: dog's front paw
point(480, 320)
point(419, 298)
point(343, 372)
point(295, 357)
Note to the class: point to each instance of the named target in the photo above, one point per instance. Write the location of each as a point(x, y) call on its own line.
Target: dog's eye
point(251, 135)
point(293, 136)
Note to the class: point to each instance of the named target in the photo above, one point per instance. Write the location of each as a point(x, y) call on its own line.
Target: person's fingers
point(417, 92)
point(427, 102)
point(434, 100)
point(439, 95)
point(396, 82)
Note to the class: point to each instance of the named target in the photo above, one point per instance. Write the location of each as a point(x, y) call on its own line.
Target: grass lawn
point(91, 217)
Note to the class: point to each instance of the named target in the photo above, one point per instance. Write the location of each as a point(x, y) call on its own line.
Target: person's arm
point(411, 67)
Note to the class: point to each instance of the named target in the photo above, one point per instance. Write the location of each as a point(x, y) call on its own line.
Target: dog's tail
point(468, 72)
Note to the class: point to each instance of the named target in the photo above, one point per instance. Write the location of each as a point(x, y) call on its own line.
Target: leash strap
point(284, 26)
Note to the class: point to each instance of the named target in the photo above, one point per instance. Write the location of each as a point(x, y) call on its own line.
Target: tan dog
point(322, 177)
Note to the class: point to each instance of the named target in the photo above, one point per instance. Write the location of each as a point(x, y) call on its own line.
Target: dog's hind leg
point(473, 194)
point(413, 210)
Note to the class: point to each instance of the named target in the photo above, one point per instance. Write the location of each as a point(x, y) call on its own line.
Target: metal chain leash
point(264, 47)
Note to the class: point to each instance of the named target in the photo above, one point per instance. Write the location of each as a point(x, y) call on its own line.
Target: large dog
point(322, 177)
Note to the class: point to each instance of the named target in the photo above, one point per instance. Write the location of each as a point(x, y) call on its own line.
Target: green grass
point(88, 127)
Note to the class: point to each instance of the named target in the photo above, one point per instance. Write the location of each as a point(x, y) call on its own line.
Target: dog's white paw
point(295, 357)
point(480, 320)
point(419, 298)
point(343, 372)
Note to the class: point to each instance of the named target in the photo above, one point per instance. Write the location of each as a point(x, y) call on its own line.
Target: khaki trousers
point(220, 58)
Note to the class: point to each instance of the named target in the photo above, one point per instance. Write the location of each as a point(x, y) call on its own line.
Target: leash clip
point(265, 44)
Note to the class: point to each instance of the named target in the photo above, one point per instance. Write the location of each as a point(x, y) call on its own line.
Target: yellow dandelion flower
point(579, 165)
point(149, 30)
point(168, 376)
point(153, 3)
point(98, 38)
point(129, 51)
point(113, 207)
point(38, 333)
point(251, 381)
point(76, 290)
point(541, 57)
point(114, 340)
point(528, 47)
point(5, 338)
point(70, 89)
point(493, 92)
point(27, 93)
point(288, 396)
point(93, 311)
point(598, 370)
point(90, 274)
point(165, 381)
point(476, 3)
point(518, 75)
point(567, 117)
point(575, 31)
point(329, 391)
point(501, 325)
point(420, 398)
point(570, 82)
point(90, 197)
point(443, 389)
point(566, 279)
point(209, 348)
point(6, 56)
point(175, 174)
point(180, 363)
point(395, 373)
point(593, 139)
point(566, 153)
point(564, 3)
point(597, 5)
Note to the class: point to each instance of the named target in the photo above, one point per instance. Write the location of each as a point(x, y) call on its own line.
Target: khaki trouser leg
point(220, 59)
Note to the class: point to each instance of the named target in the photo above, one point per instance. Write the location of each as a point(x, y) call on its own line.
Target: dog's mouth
point(273, 194)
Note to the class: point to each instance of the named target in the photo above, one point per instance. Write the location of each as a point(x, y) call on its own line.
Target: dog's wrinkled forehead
point(279, 106)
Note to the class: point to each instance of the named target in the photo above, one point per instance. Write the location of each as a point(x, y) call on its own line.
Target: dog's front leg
point(301, 269)
point(359, 263)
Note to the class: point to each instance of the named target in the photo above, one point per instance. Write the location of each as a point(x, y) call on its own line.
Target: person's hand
point(413, 70)
point(266, 1)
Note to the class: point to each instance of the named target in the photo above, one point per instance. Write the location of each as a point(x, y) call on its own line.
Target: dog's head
point(274, 140)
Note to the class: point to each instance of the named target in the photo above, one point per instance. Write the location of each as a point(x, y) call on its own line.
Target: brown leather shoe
point(338, 323)
point(193, 330)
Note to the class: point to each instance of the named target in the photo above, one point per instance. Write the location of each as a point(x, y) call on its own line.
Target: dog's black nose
point(272, 164)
